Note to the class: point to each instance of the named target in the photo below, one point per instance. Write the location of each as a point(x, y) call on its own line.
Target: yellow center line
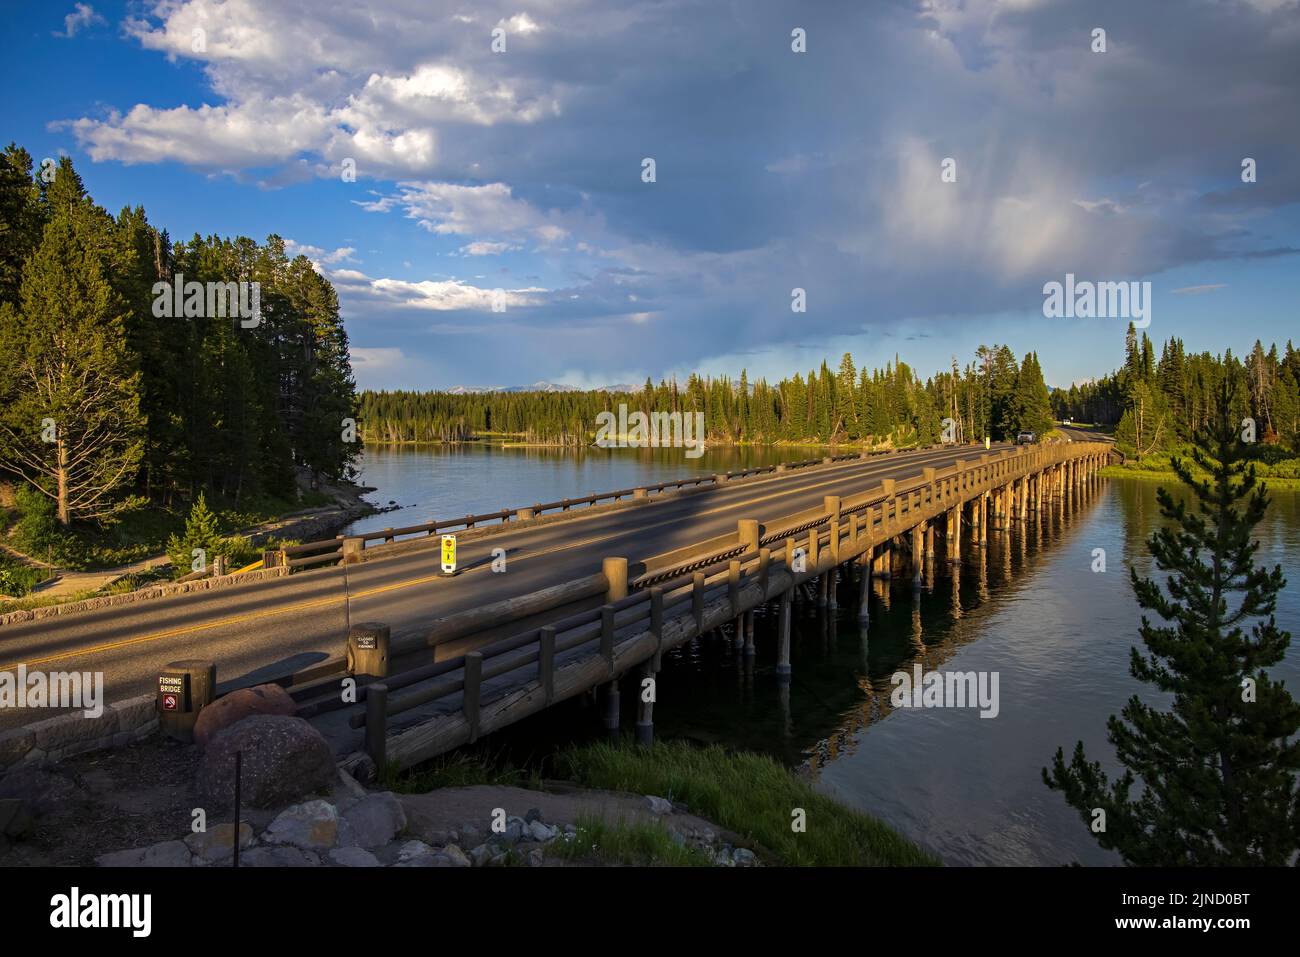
point(383, 589)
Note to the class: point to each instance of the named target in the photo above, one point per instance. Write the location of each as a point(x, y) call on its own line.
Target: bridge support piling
point(984, 519)
point(783, 640)
point(864, 584)
point(645, 725)
point(612, 707)
point(918, 557)
point(750, 650)
point(929, 539)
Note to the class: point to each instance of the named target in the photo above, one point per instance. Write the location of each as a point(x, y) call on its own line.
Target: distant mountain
point(535, 387)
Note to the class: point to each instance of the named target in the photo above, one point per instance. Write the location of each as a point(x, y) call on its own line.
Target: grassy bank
point(750, 794)
point(1272, 466)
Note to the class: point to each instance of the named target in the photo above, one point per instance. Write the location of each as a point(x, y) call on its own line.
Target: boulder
point(165, 854)
point(238, 705)
point(376, 819)
point(353, 857)
point(310, 826)
point(276, 857)
point(284, 760)
point(217, 844)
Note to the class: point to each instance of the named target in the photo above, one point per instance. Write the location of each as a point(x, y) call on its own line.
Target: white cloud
point(318, 256)
point(487, 249)
point(82, 15)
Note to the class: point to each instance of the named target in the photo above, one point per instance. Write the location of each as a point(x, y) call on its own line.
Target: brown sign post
point(184, 688)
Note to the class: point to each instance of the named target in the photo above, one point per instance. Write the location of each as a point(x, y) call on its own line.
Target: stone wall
point(71, 733)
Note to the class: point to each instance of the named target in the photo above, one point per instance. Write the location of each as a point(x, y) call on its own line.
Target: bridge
point(592, 590)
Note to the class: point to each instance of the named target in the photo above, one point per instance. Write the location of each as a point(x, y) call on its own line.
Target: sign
point(449, 554)
point(174, 692)
point(366, 641)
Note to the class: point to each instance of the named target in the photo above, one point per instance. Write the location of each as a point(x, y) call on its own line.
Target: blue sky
point(521, 170)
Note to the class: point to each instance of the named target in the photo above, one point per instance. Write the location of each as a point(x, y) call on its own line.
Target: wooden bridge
point(588, 633)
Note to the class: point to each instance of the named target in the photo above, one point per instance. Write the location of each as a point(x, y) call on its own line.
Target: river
point(1029, 608)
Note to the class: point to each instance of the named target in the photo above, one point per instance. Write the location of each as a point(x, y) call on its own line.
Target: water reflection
point(1027, 606)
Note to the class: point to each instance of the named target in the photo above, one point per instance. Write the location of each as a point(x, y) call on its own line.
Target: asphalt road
point(257, 629)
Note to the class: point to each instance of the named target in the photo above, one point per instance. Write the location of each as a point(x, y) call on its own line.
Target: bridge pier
point(612, 705)
point(929, 539)
point(864, 584)
point(954, 534)
point(750, 650)
point(645, 724)
point(783, 639)
point(984, 518)
point(918, 556)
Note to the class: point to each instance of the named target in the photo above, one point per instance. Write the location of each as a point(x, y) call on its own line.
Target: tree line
point(995, 395)
point(1160, 404)
point(105, 404)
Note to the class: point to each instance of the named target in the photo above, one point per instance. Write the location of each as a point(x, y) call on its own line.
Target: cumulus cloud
point(82, 15)
point(775, 170)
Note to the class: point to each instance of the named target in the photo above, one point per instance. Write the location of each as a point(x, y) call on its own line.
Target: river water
point(1028, 608)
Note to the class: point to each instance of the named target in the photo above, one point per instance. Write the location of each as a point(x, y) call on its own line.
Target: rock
point(274, 857)
point(541, 833)
point(15, 818)
point(42, 790)
point(238, 705)
point(479, 856)
point(353, 857)
point(347, 791)
point(376, 819)
point(217, 844)
point(416, 854)
point(14, 745)
point(659, 806)
point(310, 826)
point(744, 857)
point(534, 814)
point(469, 834)
point(284, 760)
point(536, 857)
point(456, 856)
point(165, 854)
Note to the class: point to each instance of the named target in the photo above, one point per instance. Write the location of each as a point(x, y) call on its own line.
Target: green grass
point(638, 844)
point(750, 794)
point(1272, 466)
point(459, 769)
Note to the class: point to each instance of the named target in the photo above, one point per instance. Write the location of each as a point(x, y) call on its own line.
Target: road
point(261, 628)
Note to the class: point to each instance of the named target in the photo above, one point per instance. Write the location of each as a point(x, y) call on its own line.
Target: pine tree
point(1218, 770)
point(201, 532)
point(70, 424)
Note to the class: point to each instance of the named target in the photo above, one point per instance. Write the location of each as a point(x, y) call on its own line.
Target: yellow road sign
point(449, 554)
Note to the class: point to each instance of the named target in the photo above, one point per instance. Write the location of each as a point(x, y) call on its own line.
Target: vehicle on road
point(1026, 438)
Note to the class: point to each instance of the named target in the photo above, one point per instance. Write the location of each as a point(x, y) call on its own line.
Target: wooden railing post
point(657, 622)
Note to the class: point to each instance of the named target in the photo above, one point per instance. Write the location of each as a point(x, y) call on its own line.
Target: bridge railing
point(329, 550)
point(733, 579)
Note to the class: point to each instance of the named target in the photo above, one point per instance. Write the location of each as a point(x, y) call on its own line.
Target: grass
point(459, 769)
point(1272, 466)
point(750, 794)
point(639, 844)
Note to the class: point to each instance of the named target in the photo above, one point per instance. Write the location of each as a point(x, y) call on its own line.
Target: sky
point(521, 169)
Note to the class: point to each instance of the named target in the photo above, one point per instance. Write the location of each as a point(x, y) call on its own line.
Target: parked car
point(1026, 438)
